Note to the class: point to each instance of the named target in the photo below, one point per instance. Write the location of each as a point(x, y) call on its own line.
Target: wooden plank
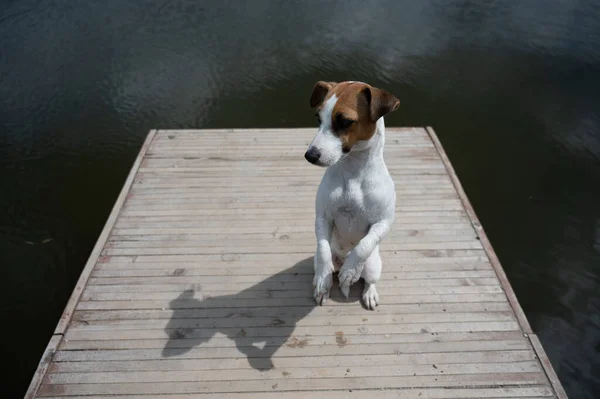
point(461, 229)
point(148, 226)
point(277, 132)
point(261, 150)
point(291, 234)
point(422, 151)
point(287, 351)
point(148, 197)
point(272, 344)
point(183, 241)
point(278, 337)
point(261, 143)
point(167, 286)
point(295, 211)
point(282, 260)
point(220, 165)
point(287, 205)
point(289, 153)
point(291, 258)
point(261, 333)
point(250, 198)
point(282, 248)
point(289, 362)
point(259, 300)
point(275, 138)
point(512, 298)
point(414, 220)
point(178, 278)
point(407, 393)
point(306, 184)
point(178, 282)
point(126, 342)
point(278, 289)
point(276, 175)
point(280, 215)
point(208, 242)
point(297, 298)
point(154, 341)
point(198, 192)
point(429, 168)
point(154, 314)
point(265, 141)
point(295, 291)
point(271, 268)
point(179, 197)
point(288, 157)
point(157, 270)
point(298, 319)
point(292, 373)
point(471, 380)
point(305, 181)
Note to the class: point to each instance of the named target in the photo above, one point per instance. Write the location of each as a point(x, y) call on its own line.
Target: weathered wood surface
point(200, 286)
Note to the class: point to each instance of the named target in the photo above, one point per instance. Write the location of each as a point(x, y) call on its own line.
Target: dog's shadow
point(265, 313)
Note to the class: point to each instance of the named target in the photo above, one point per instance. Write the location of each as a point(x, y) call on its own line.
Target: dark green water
point(511, 87)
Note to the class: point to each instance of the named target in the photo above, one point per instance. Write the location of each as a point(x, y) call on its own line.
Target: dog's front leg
point(355, 262)
point(323, 261)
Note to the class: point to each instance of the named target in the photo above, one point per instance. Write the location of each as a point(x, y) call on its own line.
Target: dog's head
point(347, 113)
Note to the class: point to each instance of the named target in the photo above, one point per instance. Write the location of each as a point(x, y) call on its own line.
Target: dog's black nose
point(312, 155)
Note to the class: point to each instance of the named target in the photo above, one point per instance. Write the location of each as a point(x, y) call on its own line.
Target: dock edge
point(65, 318)
point(495, 261)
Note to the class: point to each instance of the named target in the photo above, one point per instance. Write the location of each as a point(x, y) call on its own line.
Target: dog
point(356, 199)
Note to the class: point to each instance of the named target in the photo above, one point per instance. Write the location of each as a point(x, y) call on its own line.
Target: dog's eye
point(343, 123)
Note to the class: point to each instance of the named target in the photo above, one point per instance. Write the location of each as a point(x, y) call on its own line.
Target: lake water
point(511, 87)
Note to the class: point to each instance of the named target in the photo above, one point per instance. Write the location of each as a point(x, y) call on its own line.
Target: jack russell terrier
point(356, 199)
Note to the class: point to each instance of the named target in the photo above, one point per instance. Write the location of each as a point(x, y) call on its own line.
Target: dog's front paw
point(347, 277)
point(322, 286)
point(345, 290)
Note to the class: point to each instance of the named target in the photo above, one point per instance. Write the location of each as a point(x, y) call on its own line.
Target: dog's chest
point(347, 208)
point(346, 198)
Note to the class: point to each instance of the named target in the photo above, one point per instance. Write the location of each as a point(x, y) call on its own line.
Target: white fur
point(355, 208)
point(326, 141)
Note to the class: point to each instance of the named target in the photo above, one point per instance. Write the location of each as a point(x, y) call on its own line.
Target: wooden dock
point(200, 286)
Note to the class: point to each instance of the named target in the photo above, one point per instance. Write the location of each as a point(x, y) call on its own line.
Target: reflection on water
point(512, 88)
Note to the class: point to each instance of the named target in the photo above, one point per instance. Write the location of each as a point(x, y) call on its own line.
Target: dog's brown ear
point(320, 92)
point(380, 102)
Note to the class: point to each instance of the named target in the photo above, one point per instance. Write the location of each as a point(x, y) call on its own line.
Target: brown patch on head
point(320, 92)
point(356, 111)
